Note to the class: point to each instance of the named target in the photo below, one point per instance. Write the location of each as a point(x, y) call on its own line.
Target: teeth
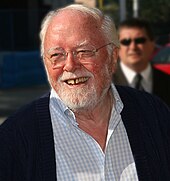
point(78, 80)
point(70, 82)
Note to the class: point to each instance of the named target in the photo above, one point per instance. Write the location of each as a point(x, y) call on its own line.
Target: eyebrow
point(53, 48)
point(83, 43)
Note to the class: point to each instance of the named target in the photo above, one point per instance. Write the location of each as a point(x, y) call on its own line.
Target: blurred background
point(22, 75)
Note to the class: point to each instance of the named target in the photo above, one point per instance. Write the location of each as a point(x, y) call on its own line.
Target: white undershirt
point(146, 74)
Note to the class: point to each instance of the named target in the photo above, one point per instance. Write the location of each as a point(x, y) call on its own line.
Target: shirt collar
point(130, 74)
point(118, 104)
point(56, 100)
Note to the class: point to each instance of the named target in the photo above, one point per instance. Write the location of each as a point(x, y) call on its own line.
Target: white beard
point(82, 98)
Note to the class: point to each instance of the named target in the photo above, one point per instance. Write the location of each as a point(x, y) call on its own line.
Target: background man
point(134, 69)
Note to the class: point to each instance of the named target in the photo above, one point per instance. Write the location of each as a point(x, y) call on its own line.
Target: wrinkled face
point(136, 48)
point(81, 80)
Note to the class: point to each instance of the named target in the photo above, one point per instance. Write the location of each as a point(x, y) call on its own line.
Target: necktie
point(137, 82)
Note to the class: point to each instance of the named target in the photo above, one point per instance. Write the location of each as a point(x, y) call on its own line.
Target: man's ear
point(115, 55)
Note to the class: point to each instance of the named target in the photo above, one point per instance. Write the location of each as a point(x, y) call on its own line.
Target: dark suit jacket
point(161, 83)
point(27, 150)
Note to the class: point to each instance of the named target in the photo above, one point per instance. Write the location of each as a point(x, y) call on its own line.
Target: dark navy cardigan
point(27, 145)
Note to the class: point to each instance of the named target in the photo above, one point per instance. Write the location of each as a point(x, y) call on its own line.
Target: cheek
point(100, 71)
point(122, 52)
point(95, 69)
point(53, 74)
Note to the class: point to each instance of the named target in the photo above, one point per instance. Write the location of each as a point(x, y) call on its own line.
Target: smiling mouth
point(76, 81)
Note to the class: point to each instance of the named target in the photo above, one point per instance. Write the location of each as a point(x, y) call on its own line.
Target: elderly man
point(86, 128)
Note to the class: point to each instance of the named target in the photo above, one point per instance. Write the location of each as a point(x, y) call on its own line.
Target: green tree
point(157, 12)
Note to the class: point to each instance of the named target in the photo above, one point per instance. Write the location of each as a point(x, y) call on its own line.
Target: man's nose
point(132, 45)
point(71, 62)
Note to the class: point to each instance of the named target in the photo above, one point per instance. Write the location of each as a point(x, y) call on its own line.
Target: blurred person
point(134, 69)
point(85, 128)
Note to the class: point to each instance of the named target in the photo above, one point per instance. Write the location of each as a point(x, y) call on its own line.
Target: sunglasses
point(127, 42)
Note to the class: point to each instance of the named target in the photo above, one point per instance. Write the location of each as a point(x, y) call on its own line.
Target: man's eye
point(85, 53)
point(56, 55)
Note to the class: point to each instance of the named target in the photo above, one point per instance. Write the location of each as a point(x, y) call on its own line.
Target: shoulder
point(125, 91)
point(26, 115)
point(21, 136)
point(23, 128)
point(144, 107)
point(141, 99)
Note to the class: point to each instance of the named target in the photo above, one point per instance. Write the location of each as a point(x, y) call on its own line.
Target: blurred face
point(79, 77)
point(135, 48)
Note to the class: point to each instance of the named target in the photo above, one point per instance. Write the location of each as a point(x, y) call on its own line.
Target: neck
point(100, 112)
point(95, 122)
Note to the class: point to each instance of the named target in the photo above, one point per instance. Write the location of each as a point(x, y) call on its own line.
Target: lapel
point(47, 151)
point(131, 119)
point(119, 78)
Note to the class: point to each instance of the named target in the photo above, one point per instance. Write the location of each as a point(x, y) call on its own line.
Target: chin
point(76, 99)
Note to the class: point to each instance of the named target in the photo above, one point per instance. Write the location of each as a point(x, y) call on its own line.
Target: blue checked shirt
point(80, 158)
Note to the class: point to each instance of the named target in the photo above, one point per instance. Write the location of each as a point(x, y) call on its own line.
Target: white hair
point(106, 23)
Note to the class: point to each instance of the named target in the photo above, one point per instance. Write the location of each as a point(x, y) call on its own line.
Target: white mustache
point(70, 75)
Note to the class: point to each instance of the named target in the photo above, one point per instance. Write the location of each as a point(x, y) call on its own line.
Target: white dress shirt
point(146, 76)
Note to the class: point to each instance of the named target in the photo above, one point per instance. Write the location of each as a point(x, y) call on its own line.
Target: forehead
point(69, 26)
point(73, 16)
point(132, 32)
